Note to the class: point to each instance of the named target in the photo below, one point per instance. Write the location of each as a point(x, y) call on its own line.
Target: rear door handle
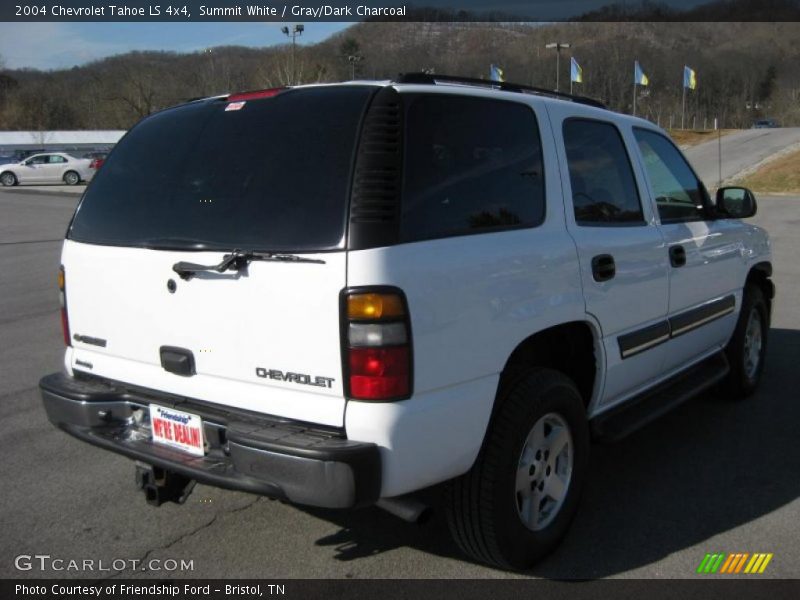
point(677, 256)
point(603, 267)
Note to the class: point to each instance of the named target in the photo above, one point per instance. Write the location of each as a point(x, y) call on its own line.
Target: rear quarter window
point(472, 165)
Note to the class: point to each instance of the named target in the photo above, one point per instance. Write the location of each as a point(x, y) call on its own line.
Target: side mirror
point(735, 203)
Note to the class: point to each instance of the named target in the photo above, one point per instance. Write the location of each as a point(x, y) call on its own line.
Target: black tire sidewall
point(739, 384)
point(519, 545)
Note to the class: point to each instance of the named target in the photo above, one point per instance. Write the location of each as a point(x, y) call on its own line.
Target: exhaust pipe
point(160, 486)
point(406, 508)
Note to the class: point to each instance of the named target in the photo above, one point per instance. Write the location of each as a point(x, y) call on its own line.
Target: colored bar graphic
point(766, 562)
point(717, 563)
point(753, 560)
point(703, 563)
point(728, 562)
point(758, 562)
point(733, 563)
point(741, 562)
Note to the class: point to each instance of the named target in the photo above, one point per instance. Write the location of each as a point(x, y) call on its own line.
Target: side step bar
point(637, 412)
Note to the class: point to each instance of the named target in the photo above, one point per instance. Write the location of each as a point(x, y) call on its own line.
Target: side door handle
point(677, 256)
point(603, 267)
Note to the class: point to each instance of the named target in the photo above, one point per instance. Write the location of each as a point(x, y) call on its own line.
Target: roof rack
point(433, 79)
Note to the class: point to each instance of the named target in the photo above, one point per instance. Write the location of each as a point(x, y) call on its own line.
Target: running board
point(637, 412)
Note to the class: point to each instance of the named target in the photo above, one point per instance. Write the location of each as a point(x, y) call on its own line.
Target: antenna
point(719, 151)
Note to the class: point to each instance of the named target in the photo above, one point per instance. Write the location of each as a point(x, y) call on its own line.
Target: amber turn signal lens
point(61, 279)
point(374, 306)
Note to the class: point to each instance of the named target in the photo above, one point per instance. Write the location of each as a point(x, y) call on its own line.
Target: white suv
point(339, 295)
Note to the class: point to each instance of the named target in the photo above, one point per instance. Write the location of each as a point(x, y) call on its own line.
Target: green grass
point(781, 176)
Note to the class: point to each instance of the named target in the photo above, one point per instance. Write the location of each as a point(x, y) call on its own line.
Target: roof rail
point(433, 79)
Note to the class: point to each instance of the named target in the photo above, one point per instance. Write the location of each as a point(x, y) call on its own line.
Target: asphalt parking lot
point(712, 476)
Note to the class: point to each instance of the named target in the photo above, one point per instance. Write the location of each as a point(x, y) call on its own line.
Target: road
point(711, 476)
point(740, 151)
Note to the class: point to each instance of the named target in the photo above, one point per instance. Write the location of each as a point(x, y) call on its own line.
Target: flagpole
point(683, 108)
point(634, 98)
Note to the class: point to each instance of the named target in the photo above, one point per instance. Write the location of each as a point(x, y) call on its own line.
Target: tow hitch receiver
point(160, 485)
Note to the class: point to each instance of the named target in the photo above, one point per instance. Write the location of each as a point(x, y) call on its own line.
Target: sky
point(64, 45)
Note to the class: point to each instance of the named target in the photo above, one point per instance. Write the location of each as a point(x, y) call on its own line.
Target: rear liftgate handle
point(603, 267)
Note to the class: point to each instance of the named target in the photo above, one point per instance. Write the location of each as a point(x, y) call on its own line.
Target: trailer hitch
point(160, 485)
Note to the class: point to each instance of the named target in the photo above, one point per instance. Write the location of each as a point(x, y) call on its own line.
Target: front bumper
point(244, 450)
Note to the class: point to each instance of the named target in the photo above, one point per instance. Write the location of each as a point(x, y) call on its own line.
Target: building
point(58, 141)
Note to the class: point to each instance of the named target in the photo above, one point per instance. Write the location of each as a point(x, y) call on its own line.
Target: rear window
point(272, 175)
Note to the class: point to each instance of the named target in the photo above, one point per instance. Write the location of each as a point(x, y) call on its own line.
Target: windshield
point(271, 174)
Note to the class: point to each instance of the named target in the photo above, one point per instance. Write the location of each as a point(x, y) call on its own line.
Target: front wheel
point(515, 504)
point(8, 179)
point(72, 178)
point(748, 346)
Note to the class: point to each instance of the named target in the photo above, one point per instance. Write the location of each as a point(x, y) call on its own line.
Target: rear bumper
point(244, 451)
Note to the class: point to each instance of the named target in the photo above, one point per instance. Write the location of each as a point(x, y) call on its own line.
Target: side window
point(679, 195)
point(56, 159)
point(604, 189)
point(471, 166)
point(38, 160)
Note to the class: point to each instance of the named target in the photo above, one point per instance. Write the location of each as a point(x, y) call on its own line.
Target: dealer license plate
point(177, 429)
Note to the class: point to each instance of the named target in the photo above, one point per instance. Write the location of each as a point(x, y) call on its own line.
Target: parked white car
point(51, 167)
point(339, 295)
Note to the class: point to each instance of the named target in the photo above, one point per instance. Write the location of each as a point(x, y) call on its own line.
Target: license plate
point(177, 429)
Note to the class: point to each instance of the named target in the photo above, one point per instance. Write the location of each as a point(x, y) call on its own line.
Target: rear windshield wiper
point(238, 260)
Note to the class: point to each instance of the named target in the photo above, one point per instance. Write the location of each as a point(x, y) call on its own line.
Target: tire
point(748, 345)
point(8, 179)
point(485, 508)
point(72, 178)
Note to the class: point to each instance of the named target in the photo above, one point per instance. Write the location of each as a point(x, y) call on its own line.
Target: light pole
point(558, 46)
point(293, 33)
point(353, 59)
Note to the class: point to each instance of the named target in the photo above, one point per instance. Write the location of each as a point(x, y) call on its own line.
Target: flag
point(689, 78)
point(638, 75)
point(575, 71)
point(496, 73)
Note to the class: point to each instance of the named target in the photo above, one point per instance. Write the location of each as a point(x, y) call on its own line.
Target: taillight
point(376, 344)
point(62, 298)
point(95, 164)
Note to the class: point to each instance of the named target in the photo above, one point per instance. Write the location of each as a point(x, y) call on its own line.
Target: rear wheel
point(8, 179)
point(72, 178)
point(515, 504)
point(747, 346)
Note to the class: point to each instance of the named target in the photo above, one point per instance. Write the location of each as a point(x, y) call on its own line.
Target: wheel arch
point(760, 275)
point(573, 348)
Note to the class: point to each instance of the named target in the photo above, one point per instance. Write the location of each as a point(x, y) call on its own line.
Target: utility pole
point(558, 46)
point(293, 33)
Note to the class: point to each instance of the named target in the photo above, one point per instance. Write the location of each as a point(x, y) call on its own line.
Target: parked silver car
point(51, 167)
